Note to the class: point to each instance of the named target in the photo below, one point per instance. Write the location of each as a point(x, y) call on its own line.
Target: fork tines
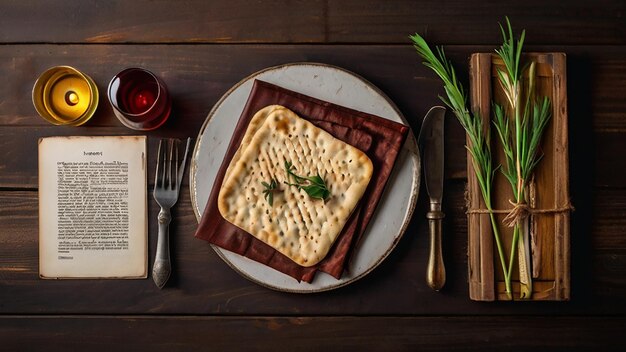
point(167, 164)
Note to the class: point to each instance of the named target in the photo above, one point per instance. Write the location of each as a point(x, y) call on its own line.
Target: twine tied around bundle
point(519, 212)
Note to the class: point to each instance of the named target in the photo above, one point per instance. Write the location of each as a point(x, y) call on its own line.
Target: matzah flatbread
point(254, 125)
point(300, 227)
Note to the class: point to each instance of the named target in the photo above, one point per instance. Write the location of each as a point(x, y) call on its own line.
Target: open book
point(93, 207)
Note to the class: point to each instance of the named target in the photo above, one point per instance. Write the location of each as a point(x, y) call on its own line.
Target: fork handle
point(162, 267)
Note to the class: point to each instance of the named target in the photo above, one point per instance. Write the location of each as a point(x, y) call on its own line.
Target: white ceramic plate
point(338, 86)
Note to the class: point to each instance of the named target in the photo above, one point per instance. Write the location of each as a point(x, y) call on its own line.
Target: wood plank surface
point(193, 333)
point(314, 21)
point(201, 49)
point(20, 148)
point(197, 76)
point(203, 284)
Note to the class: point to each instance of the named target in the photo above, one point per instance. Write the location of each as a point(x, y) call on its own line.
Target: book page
point(93, 207)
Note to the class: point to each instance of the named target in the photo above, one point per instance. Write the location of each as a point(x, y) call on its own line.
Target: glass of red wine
point(140, 99)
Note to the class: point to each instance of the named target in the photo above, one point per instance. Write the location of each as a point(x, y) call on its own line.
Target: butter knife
point(431, 143)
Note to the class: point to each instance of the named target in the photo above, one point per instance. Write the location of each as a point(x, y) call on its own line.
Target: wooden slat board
point(550, 233)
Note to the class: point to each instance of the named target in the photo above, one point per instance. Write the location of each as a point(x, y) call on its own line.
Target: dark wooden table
point(201, 49)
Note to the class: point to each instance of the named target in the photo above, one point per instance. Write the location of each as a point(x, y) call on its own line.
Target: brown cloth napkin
point(379, 138)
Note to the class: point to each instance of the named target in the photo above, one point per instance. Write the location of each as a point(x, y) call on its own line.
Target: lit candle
point(64, 96)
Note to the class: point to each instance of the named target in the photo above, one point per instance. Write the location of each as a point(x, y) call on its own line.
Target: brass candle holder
point(62, 95)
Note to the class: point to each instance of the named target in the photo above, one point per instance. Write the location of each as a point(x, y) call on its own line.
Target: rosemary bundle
point(520, 144)
point(519, 124)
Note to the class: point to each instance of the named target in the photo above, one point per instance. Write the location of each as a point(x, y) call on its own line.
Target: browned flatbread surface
point(301, 227)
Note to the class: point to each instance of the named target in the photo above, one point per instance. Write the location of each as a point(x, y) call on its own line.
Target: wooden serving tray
point(550, 233)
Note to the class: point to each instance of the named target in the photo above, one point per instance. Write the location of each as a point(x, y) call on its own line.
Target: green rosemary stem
point(486, 193)
point(520, 181)
point(518, 245)
point(516, 232)
point(478, 133)
point(516, 229)
point(496, 235)
point(496, 232)
point(530, 121)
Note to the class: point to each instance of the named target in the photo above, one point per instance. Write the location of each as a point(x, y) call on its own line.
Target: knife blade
point(431, 143)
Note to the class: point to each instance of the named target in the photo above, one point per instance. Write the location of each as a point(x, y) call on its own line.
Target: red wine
point(140, 99)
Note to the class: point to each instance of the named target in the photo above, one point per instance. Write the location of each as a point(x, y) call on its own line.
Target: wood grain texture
point(197, 76)
point(311, 333)
point(203, 284)
point(480, 251)
point(463, 22)
point(316, 21)
point(97, 21)
point(19, 146)
point(560, 153)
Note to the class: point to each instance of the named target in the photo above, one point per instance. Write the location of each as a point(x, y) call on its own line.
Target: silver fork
point(167, 181)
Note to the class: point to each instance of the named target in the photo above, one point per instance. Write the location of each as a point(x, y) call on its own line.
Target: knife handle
point(436, 271)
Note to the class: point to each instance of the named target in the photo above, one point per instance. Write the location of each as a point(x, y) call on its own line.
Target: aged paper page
point(92, 207)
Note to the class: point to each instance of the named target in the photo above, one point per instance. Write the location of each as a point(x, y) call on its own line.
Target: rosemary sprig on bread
point(314, 186)
point(269, 190)
point(279, 145)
